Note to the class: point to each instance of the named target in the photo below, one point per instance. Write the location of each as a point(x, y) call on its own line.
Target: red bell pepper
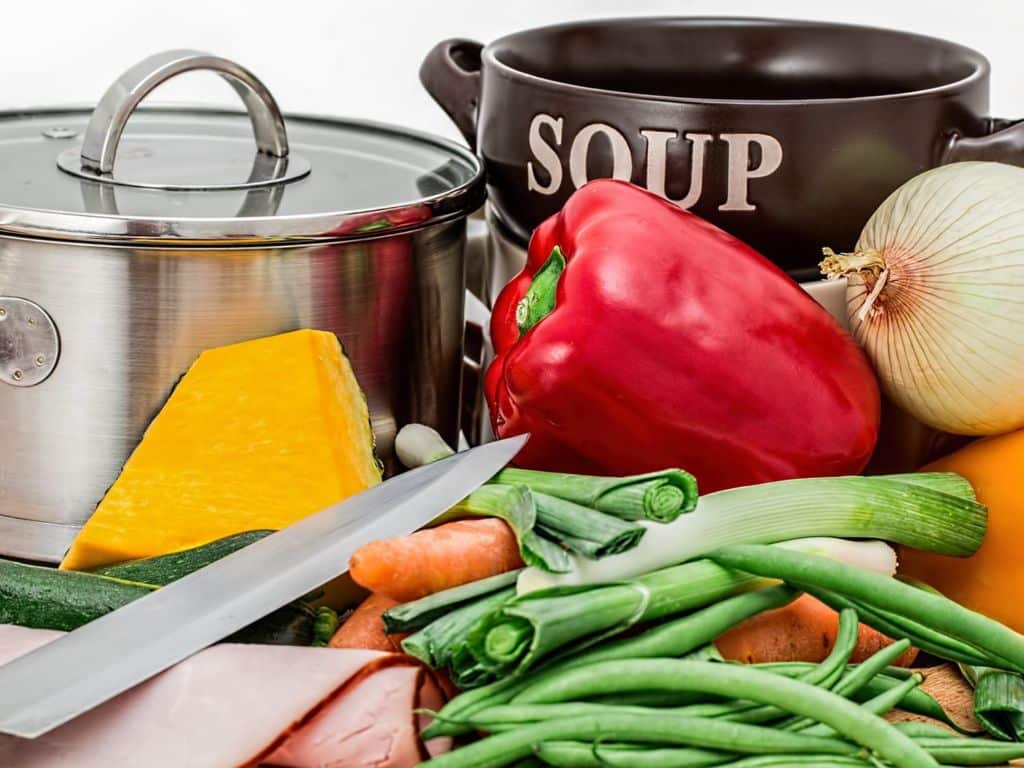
point(640, 337)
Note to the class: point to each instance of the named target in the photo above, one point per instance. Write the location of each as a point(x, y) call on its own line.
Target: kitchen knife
point(59, 681)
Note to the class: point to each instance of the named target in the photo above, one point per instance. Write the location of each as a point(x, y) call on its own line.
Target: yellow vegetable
point(992, 580)
point(256, 435)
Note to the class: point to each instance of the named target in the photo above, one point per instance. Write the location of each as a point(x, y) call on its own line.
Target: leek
point(437, 643)
point(583, 530)
point(916, 510)
point(657, 496)
point(409, 617)
point(521, 632)
point(515, 505)
point(998, 701)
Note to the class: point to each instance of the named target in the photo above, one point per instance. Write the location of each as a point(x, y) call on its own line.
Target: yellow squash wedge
point(992, 580)
point(256, 435)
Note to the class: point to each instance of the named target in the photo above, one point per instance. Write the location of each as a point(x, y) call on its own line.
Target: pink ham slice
point(244, 705)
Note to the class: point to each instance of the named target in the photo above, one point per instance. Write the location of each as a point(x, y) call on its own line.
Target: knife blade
point(84, 668)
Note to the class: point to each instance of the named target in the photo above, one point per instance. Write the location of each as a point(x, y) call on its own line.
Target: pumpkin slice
point(256, 435)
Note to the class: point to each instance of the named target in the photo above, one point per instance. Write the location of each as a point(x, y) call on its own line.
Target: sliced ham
point(244, 705)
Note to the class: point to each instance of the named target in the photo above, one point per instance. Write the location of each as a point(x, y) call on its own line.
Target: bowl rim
point(981, 67)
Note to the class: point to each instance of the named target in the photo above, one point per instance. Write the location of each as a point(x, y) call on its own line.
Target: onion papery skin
point(946, 331)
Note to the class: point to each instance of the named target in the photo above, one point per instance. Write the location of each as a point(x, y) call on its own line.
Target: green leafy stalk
point(437, 643)
point(523, 631)
point(657, 496)
point(909, 512)
point(677, 637)
point(998, 701)
point(515, 505)
point(409, 617)
point(583, 530)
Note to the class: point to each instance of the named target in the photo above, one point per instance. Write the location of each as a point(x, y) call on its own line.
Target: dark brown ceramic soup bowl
point(787, 134)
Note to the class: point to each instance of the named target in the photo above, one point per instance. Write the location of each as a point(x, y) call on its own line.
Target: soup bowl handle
point(451, 75)
point(1004, 143)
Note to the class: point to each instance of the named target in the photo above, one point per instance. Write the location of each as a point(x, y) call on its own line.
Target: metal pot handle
point(111, 114)
point(1003, 142)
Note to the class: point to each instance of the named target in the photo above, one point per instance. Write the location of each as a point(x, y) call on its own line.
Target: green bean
point(875, 590)
point(575, 754)
point(673, 638)
point(824, 675)
point(960, 751)
point(790, 761)
point(504, 716)
point(734, 681)
point(878, 705)
point(918, 730)
point(853, 681)
point(571, 754)
point(655, 727)
point(658, 699)
point(924, 638)
point(917, 701)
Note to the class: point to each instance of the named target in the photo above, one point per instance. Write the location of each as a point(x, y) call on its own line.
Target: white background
point(360, 57)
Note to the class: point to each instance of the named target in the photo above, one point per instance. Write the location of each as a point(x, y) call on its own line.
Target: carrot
point(804, 630)
point(365, 627)
point(410, 567)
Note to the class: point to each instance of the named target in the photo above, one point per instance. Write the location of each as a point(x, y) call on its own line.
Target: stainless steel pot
point(124, 253)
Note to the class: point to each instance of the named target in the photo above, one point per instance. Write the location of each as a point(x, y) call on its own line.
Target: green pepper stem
point(539, 300)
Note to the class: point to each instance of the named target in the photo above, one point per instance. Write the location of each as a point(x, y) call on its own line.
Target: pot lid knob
point(216, 168)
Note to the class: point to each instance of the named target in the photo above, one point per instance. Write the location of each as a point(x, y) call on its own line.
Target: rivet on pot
point(17, 374)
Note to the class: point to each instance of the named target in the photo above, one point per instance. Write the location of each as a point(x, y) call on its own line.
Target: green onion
point(524, 631)
point(911, 513)
point(937, 613)
point(998, 701)
point(657, 496)
point(583, 530)
point(673, 638)
point(408, 617)
point(735, 681)
point(436, 644)
point(515, 505)
point(555, 619)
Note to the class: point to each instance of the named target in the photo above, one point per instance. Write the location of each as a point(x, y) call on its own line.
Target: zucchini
point(46, 598)
point(164, 569)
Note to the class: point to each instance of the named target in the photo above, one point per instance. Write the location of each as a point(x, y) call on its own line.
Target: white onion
point(936, 296)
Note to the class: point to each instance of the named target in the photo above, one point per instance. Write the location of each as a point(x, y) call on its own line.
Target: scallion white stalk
point(909, 513)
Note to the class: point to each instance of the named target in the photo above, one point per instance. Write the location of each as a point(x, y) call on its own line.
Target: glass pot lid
point(203, 176)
